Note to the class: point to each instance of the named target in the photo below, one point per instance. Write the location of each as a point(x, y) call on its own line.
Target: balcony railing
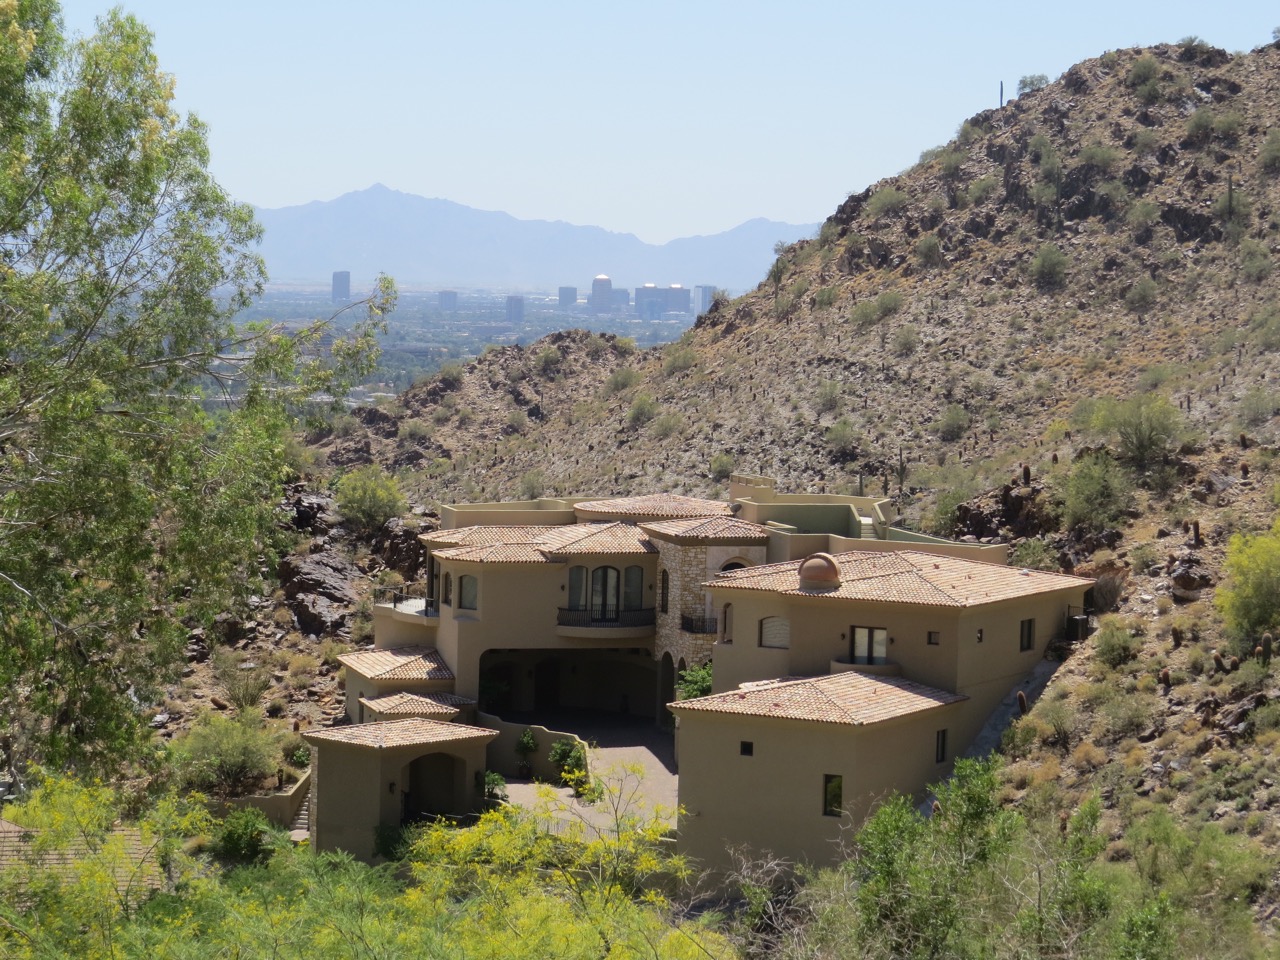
point(605, 618)
point(402, 599)
point(697, 623)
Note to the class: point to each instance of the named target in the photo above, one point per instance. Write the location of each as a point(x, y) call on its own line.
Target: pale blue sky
point(660, 118)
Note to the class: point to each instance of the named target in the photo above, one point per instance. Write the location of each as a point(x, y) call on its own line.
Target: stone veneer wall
point(689, 566)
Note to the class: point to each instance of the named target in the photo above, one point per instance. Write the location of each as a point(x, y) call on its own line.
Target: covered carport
point(609, 680)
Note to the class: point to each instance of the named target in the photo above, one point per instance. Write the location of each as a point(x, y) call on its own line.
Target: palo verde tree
point(141, 431)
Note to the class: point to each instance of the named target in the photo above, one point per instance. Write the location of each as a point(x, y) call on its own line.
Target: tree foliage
point(1249, 600)
point(132, 503)
point(368, 497)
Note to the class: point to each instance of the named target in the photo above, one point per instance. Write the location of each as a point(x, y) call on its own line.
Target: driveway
point(614, 742)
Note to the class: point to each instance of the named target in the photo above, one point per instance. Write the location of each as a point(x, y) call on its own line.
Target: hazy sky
point(662, 119)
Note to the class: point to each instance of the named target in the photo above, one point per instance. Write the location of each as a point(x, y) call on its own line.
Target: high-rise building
point(568, 298)
point(448, 300)
point(515, 309)
point(341, 286)
point(653, 301)
point(601, 295)
point(703, 297)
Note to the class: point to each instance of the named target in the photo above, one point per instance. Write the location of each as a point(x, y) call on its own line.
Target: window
point(577, 588)
point(869, 645)
point(604, 593)
point(940, 747)
point(746, 748)
point(1027, 635)
point(934, 638)
point(832, 795)
point(665, 591)
point(775, 632)
point(979, 634)
point(468, 592)
point(633, 588)
point(447, 596)
point(726, 621)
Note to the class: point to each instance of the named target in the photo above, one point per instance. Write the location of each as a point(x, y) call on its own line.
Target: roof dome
point(819, 571)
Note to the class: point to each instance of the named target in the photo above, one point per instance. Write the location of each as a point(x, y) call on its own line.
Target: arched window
point(726, 624)
point(468, 592)
point(733, 565)
point(775, 632)
point(577, 588)
point(665, 591)
point(446, 595)
point(633, 588)
point(604, 593)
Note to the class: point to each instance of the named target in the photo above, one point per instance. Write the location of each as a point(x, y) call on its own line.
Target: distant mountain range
point(440, 243)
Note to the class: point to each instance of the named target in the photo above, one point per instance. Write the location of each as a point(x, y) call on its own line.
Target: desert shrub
point(1143, 214)
point(532, 485)
point(1264, 326)
point(450, 376)
point(643, 409)
point(1100, 156)
point(244, 687)
point(1096, 493)
point(826, 297)
point(1144, 70)
point(225, 756)
point(667, 425)
point(1249, 599)
point(1257, 407)
point(953, 423)
point(1034, 554)
point(1141, 297)
point(344, 425)
point(906, 339)
point(416, 429)
point(368, 497)
point(888, 303)
point(827, 397)
point(547, 363)
point(886, 202)
point(1059, 720)
point(843, 437)
point(1032, 82)
point(517, 421)
point(721, 466)
point(678, 359)
point(1232, 207)
point(295, 751)
point(621, 379)
point(929, 251)
point(1113, 645)
point(1146, 427)
point(1200, 125)
point(969, 132)
point(1269, 155)
point(1255, 261)
point(1049, 266)
point(982, 189)
point(1128, 716)
point(624, 346)
point(1145, 142)
point(1227, 126)
point(243, 837)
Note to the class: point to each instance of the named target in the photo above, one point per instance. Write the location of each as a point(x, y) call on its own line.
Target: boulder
point(324, 574)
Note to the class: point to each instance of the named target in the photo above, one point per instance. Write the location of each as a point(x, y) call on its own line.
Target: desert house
point(539, 607)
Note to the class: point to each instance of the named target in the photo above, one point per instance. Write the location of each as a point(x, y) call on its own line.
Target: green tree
point(1146, 427)
point(1249, 600)
point(694, 681)
point(128, 510)
point(1097, 490)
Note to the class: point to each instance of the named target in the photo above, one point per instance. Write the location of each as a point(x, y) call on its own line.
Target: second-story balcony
point(699, 624)
point(605, 623)
point(404, 600)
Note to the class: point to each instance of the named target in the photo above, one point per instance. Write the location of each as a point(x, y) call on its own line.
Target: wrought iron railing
point(405, 599)
point(697, 623)
point(605, 618)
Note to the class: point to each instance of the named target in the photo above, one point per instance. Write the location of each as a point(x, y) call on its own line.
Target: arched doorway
point(666, 690)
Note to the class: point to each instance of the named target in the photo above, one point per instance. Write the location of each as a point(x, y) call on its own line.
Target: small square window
point(940, 747)
point(746, 748)
point(832, 795)
point(934, 638)
point(979, 634)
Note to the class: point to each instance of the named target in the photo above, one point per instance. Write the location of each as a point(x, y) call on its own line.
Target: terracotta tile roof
point(613, 538)
point(554, 544)
point(656, 505)
point(483, 535)
point(21, 852)
point(906, 576)
point(847, 698)
point(709, 530)
point(409, 732)
point(399, 663)
point(519, 552)
point(443, 705)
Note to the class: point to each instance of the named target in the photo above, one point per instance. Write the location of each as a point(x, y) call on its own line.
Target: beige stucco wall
point(773, 800)
point(358, 789)
point(392, 628)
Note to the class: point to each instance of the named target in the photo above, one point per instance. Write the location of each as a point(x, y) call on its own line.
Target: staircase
point(867, 528)
point(302, 819)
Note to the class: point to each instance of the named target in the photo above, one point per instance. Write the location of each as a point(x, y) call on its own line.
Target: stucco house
point(562, 604)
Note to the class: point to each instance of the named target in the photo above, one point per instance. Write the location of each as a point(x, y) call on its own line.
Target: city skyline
point(660, 120)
